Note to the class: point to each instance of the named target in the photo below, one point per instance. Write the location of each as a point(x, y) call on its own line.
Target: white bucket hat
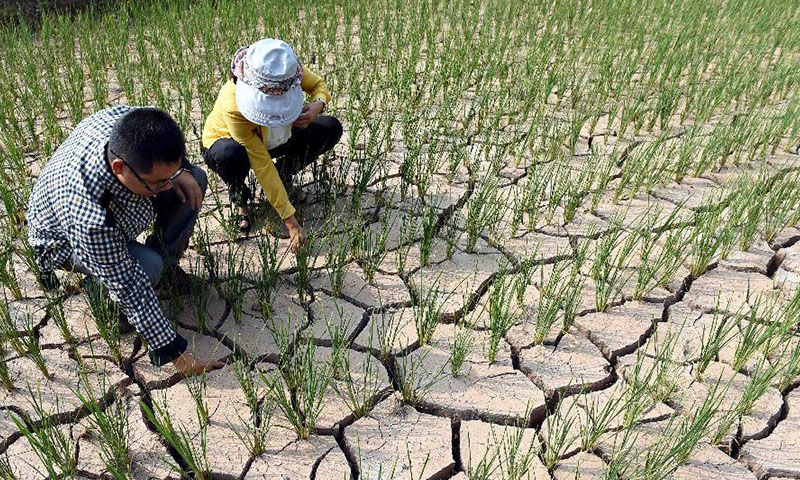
point(268, 89)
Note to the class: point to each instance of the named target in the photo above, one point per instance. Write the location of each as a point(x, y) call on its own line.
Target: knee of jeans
point(229, 160)
point(152, 264)
point(200, 176)
point(336, 129)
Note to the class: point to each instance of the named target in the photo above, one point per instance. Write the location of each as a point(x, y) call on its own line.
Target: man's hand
point(187, 188)
point(308, 114)
point(188, 365)
point(296, 234)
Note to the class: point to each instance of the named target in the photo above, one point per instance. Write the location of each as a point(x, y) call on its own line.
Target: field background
point(557, 240)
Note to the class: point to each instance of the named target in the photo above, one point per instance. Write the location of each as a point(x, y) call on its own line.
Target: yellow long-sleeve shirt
point(225, 121)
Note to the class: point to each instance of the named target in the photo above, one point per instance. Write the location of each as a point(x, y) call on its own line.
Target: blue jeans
point(173, 229)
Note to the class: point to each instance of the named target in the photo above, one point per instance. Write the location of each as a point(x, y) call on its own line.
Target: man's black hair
point(147, 136)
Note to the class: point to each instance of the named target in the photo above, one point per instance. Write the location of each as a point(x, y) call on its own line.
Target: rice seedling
point(483, 210)
point(8, 276)
point(306, 257)
point(429, 221)
point(261, 409)
point(106, 317)
point(338, 254)
point(413, 381)
point(233, 287)
point(558, 434)
point(609, 269)
point(193, 455)
point(111, 425)
point(270, 262)
point(55, 308)
point(712, 340)
point(462, 346)
point(299, 387)
point(5, 377)
point(427, 311)
point(501, 316)
point(199, 291)
point(52, 445)
point(196, 384)
point(599, 417)
point(33, 350)
point(358, 390)
point(8, 329)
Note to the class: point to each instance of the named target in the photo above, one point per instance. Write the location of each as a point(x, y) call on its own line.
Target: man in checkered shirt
point(118, 170)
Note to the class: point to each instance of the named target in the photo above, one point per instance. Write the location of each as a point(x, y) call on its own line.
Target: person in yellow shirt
point(259, 115)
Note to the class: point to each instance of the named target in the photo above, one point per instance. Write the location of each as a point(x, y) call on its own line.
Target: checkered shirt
point(79, 208)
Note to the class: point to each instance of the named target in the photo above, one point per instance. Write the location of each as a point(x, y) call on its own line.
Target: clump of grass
point(268, 249)
point(337, 259)
point(359, 391)
point(501, 318)
point(196, 384)
point(483, 210)
point(195, 457)
point(5, 376)
point(370, 248)
point(261, 410)
point(299, 387)
point(111, 424)
point(34, 351)
point(558, 435)
point(8, 276)
point(51, 444)
point(461, 348)
point(609, 270)
point(427, 311)
point(199, 290)
point(8, 329)
point(413, 381)
point(713, 340)
point(429, 220)
point(106, 317)
point(234, 285)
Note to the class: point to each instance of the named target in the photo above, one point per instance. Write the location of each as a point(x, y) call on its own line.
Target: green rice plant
point(8, 329)
point(599, 417)
point(261, 410)
point(483, 210)
point(559, 298)
point(8, 276)
point(233, 287)
point(111, 424)
point(270, 262)
point(358, 390)
point(706, 241)
point(427, 311)
point(558, 434)
point(55, 307)
point(658, 264)
point(762, 378)
point(413, 381)
point(371, 249)
point(463, 342)
point(609, 269)
point(52, 445)
point(791, 365)
point(516, 460)
point(5, 468)
point(712, 341)
point(524, 277)
point(5, 377)
point(299, 388)
point(338, 254)
point(196, 384)
point(756, 335)
point(780, 206)
point(106, 317)
point(501, 317)
point(306, 256)
point(429, 220)
point(194, 456)
point(31, 343)
point(199, 291)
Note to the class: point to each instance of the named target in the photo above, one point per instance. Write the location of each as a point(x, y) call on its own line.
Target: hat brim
point(269, 110)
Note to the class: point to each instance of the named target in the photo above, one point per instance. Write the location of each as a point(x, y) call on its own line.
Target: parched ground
point(459, 422)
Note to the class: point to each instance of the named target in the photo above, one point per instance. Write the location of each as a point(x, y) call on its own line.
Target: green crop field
point(557, 240)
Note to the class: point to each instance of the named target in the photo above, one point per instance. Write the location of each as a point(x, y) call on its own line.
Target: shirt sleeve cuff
point(168, 352)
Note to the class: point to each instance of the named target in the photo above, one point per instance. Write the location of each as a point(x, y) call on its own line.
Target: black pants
point(229, 159)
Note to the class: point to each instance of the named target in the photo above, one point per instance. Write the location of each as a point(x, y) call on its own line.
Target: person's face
point(159, 179)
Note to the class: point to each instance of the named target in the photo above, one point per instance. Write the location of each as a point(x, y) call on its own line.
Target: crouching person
point(120, 169)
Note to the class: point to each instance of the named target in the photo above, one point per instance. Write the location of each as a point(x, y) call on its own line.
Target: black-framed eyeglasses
point(160, 187)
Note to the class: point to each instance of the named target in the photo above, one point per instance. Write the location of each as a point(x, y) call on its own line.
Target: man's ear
point(116, 166)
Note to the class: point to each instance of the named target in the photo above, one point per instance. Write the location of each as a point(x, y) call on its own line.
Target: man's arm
point(102, 250)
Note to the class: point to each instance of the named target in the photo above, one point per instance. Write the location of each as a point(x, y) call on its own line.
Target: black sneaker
point(124, 325)
point(175, 278)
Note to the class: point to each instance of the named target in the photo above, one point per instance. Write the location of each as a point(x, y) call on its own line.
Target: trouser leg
point(175, 221)
point(228, 159)
point(147, 258)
